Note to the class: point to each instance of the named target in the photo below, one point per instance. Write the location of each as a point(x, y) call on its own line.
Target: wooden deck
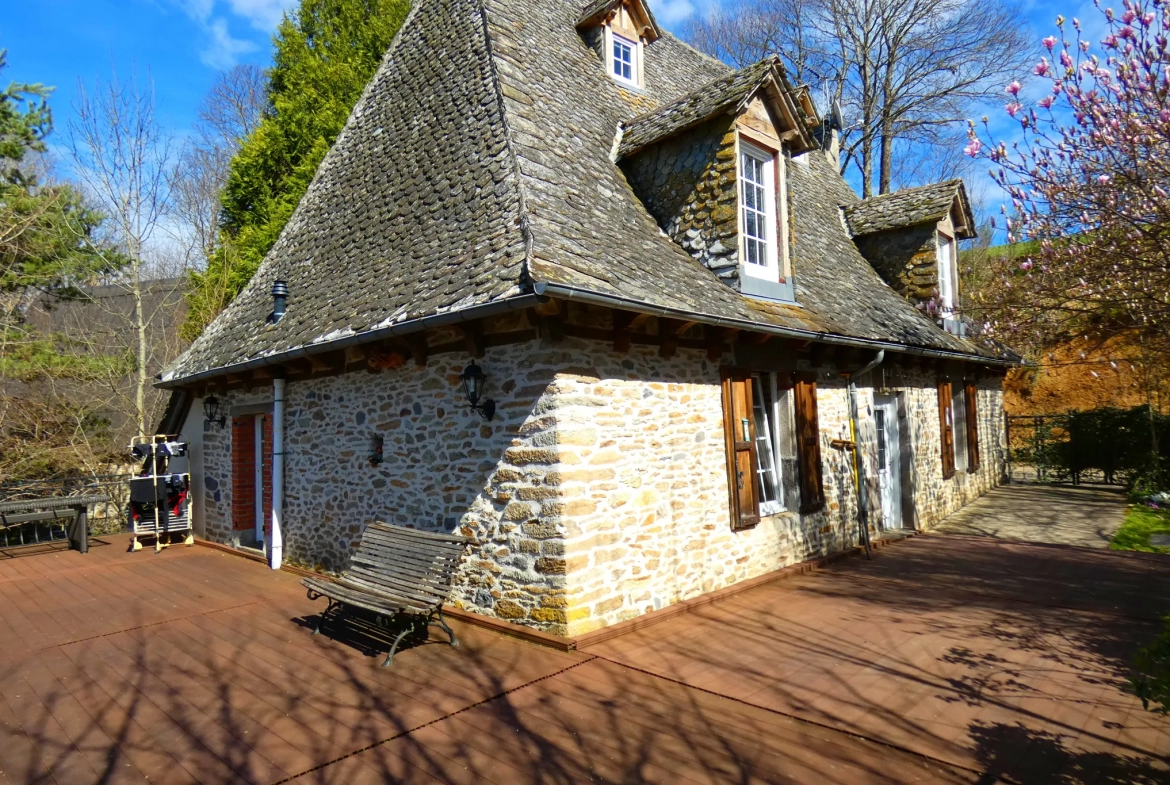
point(943, 660)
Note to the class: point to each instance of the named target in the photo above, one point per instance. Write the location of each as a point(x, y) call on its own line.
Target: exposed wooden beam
point(668, 330)
point(715, 338)
point(622, 327)
point(417, 343)
point(639, 320)
point(473, 337)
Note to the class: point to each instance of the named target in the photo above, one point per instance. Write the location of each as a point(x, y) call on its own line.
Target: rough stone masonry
point(599, 491)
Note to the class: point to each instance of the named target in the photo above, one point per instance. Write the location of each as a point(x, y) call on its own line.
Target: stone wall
point(687, 183)
point(907, 259)
point(599, 492)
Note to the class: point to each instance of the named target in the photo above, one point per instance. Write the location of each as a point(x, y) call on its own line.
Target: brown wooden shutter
point(808, 445)
point(739, 431)
point(972, 427)
point(946, 420)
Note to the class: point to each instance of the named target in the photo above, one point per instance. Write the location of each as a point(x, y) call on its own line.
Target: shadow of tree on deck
point(1020, 754)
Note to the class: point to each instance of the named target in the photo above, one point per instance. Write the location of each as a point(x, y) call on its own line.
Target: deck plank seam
point(145, 626)
point(419, 727)
point(797, 718)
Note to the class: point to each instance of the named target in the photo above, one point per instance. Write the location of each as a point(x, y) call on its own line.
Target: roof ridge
point(954, 182)
point(526, 277)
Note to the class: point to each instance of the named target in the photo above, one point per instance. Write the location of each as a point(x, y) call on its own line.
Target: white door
point(885, 414)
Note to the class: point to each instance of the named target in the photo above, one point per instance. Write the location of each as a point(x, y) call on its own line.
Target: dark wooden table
point(75, 508)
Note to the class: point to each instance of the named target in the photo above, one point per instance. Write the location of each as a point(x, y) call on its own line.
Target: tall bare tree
point(229, 113)
point(907, 72)
point(124, 160)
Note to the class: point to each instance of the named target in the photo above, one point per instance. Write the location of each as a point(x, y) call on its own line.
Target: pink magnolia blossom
point(1049, 42)
point(1104, 179)
point(1041, 68)
point(973, 147)
point(1046, 102)
point(1013, 108)
point(1013, 88)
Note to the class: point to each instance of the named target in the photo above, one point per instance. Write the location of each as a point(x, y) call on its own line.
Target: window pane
point(763, 403)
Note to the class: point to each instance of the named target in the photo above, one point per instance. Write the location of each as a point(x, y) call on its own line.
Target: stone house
point(685, 317)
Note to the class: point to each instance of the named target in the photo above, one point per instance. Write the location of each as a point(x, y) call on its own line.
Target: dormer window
point(624, 61)
point(620, 30)
point(757, 209)
point(948, 281)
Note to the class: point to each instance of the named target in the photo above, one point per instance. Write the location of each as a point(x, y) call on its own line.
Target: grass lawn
point(1140, 522)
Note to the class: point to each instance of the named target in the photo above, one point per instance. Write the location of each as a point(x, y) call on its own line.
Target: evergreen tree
point(46, 230)
point(326, 52)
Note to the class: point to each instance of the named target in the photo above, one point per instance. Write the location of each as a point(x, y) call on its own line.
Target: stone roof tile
point(475, 167)
point(908, 207)
point(719, 95)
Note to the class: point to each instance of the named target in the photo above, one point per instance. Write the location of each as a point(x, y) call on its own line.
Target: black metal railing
point(1107, 445)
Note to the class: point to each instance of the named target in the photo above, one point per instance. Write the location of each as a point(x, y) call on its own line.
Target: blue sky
point(180, 44)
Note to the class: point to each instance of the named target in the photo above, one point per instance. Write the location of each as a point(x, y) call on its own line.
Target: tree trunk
point(887, 154)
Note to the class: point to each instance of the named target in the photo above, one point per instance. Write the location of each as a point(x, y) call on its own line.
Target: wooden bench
point(395, 572)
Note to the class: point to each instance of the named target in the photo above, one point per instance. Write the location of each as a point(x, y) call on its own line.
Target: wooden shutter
point(739, 432)
point(972, 427)
point(808, 446)
point(946, 426)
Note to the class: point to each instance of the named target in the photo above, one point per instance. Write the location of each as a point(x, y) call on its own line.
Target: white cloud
point(671, 12)
point(262, 14)
point(223, 51)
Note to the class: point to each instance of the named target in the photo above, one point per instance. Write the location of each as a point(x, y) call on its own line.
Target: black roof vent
point(279, 301)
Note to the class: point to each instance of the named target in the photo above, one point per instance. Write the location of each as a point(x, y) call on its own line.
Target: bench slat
point(418, 534)
point(389, 583)
point(397, 555)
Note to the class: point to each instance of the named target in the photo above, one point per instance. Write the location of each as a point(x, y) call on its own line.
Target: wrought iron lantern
point(211, 411)
point(474, 380)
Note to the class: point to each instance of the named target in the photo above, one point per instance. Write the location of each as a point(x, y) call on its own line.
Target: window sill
point(779, 291)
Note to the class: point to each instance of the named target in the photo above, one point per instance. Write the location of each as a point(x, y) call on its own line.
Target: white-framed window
point(947, 275)
point(623, 60)
point(959, 425)
point(758, 226)
point(775, 445)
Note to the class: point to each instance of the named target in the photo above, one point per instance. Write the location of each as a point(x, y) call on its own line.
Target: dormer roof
point(599, 12)
point(913, 206)
point(729, 93)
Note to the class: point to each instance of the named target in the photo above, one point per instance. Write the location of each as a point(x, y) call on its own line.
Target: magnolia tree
point(1089, 182)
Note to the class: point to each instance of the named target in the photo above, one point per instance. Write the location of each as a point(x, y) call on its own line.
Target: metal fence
point(1108, 445)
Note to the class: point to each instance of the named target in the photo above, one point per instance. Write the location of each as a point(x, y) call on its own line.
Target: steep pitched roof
point(910, 206)
point(725, 93)
point(475, 169)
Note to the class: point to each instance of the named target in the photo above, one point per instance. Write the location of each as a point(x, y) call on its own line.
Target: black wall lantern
point(474, 380)
point(211, 411)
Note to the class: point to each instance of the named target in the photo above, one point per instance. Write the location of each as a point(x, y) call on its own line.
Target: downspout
point(275, 537)
point(855, 437)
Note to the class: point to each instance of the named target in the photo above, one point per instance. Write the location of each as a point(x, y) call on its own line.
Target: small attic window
point(619, 31)
point(624, 60)
point(624, 56)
